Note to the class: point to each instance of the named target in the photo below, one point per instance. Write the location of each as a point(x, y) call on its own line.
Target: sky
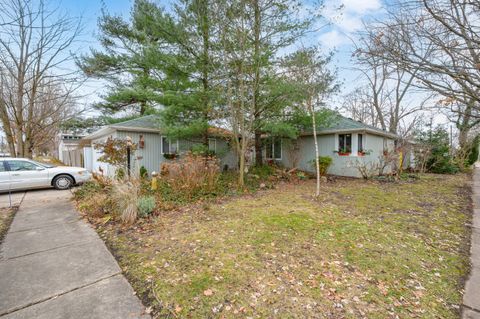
point(345, 19)
point(337, 35)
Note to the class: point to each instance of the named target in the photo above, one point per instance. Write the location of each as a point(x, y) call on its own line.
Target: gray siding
point(151, 156)
point(228, 157)
point(301, 152)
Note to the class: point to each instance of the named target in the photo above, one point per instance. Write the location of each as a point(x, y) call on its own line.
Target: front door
point(25, 174)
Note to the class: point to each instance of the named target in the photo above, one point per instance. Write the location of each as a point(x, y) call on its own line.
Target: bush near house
point(143, 172)
point(437, 153)
point(188, 179)
point(192, 174)
point(146, 205)
point(324, 162)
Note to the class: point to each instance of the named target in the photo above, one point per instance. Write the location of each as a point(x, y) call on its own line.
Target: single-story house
point(348, 142)
point(153, 148)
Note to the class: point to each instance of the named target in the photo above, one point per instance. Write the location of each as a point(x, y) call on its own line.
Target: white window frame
point(214, 144)
point(273, 150)
point(169, 145)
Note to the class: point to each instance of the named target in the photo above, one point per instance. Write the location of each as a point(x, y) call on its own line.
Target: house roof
point(342, 124)
point(148, 123)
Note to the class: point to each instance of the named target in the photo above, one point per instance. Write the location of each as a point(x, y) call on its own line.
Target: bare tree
point(390, 85)
point(358, 105)
point(35, 88)
point(437, 42)
point(308, 68)
point(465, 116)
point(237, 55)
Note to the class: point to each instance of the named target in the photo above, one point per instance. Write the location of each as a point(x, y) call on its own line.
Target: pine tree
point(132, 59)
point(275, 25)
point(191, 92)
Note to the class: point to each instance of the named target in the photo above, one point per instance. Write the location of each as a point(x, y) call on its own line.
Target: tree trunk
point(19, 120)
point(256, 83)
point(464, 124)
point(7, 128)
point(206, 69)
point(241, 178)
point(258, 149)
point(315, 141)
point(463, 136)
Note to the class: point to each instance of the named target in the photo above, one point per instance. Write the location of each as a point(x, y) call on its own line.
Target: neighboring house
point(153, 148)
point(69, 148)
point(348, 142)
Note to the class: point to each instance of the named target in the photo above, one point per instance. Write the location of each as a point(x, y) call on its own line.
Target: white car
point(22, 173)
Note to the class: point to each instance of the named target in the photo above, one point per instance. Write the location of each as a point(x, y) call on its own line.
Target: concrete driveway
point(54, 265)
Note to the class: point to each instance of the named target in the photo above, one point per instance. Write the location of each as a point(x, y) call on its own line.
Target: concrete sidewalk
point(14, 199)
point(471, 298)
point(53, 265)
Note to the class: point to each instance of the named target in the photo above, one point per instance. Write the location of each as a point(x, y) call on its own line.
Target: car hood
point(66, 169)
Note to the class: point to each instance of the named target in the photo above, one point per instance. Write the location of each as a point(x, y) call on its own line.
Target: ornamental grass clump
point(124, 195)
point(192, 174)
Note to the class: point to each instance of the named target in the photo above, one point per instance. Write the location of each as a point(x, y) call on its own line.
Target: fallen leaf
point(208, 292)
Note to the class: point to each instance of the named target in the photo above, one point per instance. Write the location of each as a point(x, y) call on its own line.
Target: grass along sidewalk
point(364, 249)
point(6, 218)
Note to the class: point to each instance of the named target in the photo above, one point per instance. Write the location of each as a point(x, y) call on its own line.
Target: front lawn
point(363, 249)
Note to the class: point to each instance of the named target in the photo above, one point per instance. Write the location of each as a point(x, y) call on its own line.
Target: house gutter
point(135, 129)
point(373, 132)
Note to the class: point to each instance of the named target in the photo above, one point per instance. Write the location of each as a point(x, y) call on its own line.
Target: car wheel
point(63, 182)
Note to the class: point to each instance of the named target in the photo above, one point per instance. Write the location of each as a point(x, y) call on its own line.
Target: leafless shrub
point(388, 161)
point(366, 168)
point(369, 168)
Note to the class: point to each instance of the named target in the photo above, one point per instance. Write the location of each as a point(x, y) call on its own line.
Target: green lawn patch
point(363, 249)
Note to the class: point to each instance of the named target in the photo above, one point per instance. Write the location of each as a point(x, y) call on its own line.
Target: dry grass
point(124, 195)
point(363, 250)
point(6, 217)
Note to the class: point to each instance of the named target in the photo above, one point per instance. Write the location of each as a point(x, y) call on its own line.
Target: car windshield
point(43, 164)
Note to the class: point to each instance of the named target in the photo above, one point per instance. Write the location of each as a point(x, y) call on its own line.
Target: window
point(3, 166)
point(168, 147)
point(274, 148)
point(212, 145)
point(360, 143)
point(21, 166)
point(345, 143)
